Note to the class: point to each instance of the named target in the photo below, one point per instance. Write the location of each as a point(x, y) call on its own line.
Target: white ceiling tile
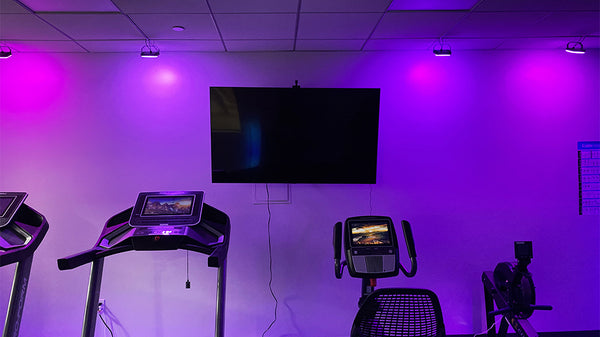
point(537, 5)
point(254, 6)
point(498, 24)
point(256, 26)
point(27, 27)
point(32, 46)
point(190, 45)
point(160, 26)
point(329, 44)
point(108, 46)
point(162, 6)
point(259, 45)
point(11, 7)
point(70, 6)
point(427, 24)
point(399, 44)
point(101, 26)
point(412, 5)
point(344, 6)
point(336, 25)
point(547, 43)
point(135, 46)
point(568, 24)
point(471, 44)
point(531, 43)
point(591, 42)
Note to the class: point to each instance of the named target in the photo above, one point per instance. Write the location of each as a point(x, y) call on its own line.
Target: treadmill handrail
point(85, 257)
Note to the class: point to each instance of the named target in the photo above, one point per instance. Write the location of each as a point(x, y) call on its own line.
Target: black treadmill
point(21, 231)
point(158, 221)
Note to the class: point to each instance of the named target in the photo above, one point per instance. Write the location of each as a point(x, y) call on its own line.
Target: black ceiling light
point(575, 48)
point(5, 52)
point(149, 50)
point(442, 49)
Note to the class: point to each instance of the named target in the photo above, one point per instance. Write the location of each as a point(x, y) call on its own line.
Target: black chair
point(399, 312)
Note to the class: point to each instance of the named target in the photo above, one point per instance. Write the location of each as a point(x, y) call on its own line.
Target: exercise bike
point(511, 287)
point(371, 252)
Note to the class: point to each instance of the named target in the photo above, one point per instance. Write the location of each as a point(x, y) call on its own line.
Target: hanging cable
point(106, 325)
point(188, 285)
point(270, 262)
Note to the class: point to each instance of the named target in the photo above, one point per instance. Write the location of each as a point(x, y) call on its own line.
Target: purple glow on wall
point(545, 87)
point(31, 86)
point(476, 151)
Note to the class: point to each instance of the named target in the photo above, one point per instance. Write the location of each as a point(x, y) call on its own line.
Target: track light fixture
point(442, 49)
point(5, 52)
point(149, 50)
point(575, 48)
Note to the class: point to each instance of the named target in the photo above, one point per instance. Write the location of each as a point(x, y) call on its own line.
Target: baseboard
point(589, 333)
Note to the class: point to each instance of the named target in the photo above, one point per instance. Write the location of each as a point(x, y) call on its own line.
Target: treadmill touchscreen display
point(168, 205)
point(370, 234)
point(5, 202)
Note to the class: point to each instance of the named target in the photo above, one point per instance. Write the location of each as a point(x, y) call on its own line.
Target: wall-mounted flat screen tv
point(294, 135)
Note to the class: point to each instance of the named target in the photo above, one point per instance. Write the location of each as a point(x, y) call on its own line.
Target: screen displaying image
point(168, 205)
point(4, 204)
point(370, 234)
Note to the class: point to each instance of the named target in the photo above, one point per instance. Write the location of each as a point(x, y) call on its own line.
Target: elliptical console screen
point(167, 209)
point(9, 204)
point(370, 234)
point(371, 247)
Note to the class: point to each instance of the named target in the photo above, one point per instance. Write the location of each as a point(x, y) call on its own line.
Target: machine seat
point(402, 312)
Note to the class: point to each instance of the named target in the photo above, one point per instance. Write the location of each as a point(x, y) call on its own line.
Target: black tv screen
point(294, 135)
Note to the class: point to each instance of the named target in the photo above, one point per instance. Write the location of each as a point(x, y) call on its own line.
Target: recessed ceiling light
point(178, 28)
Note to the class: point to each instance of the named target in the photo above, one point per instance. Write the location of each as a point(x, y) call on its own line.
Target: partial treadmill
point(158, 221)
point(21, 231)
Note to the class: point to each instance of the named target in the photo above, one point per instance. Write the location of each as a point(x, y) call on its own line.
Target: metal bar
point(220, 314)
point(93, 296)
point(489, 307)
point(17, 298)
point(522, 327)
point(503, 329)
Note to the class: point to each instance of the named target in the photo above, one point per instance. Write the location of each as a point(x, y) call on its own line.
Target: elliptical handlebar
point(410, 246)
point(337, 250)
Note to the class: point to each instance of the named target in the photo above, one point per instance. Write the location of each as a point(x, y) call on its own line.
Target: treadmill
point(21, 231)
point(158, 221)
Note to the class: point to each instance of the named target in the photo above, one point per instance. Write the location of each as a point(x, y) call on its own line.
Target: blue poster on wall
point(589, 177)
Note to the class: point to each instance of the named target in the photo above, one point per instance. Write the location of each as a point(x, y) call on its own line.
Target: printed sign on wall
point(589, 177)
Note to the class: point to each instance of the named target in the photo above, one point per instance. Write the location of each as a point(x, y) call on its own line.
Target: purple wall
point(477, 151)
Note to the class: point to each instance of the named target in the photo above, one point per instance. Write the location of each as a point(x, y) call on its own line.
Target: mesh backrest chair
point(395, 312)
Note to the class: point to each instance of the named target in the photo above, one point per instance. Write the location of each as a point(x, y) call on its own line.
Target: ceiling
point(97, 26)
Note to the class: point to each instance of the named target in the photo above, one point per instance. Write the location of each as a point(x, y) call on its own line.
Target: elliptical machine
point(371, 252)
point(511, 287)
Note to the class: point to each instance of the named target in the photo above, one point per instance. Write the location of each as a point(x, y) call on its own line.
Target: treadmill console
point(171, 209)
point(9, 204)
point(371, 247)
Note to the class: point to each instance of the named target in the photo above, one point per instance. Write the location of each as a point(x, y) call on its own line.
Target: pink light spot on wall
point(544, 84)
point(166, 77)
point(160, 81)
point(31, 84)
